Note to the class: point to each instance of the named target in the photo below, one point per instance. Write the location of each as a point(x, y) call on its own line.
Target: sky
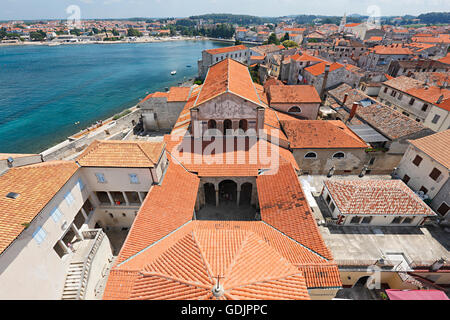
point(91, 9)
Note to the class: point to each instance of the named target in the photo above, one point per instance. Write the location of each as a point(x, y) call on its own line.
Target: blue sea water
point(45, 90)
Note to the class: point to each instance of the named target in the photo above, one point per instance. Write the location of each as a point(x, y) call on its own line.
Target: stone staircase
point(78, 272)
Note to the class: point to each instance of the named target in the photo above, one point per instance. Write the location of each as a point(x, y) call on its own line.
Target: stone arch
point(362, 282)
point(227, 125)
point(243, 125)
point(212, 124)
point(210, 193)
point(246, 194)
point(227, 192)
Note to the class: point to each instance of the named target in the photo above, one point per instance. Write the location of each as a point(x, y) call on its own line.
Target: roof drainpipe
point(324, 83)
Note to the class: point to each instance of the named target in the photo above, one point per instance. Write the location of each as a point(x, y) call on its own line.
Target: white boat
point(173, 72)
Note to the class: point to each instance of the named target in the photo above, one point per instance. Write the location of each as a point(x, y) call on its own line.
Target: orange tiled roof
point(160, 214)
point(320, 134)
point(376, 197)
point(125, 154)
point(293, 94)
point(244, 160)
point(34, 195)
point(155, 95)
point(437, 146)
point(226, 49)
point(228, 76)
point(446, 59)
point(187, 264)
point(319, 68)
point(177, 94)
point(351, 25)
point(283, 206)
point(392, 50)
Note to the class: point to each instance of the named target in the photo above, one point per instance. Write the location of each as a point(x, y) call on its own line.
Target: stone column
point(77, 232)
point(63, 245)
point(83, 212)
point(110, 198)
point(238, 193)
point(126, 198)
point(140, 197)
point(217, 197)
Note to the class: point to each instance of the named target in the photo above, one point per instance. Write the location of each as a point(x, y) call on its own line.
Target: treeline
point(242, 20)
point(435, 17)
point(223, 30)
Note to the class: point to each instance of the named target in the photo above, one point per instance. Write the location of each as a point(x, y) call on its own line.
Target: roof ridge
point(144, 152)
point(301, 244)
point(202, 255)
point(238, 253)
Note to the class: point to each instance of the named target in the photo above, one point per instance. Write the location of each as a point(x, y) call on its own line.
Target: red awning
point(416, 294)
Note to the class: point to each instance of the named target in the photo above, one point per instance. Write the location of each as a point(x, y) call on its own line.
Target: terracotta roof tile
point(318, 134)
point(226, 49)
point(127, 154)
point(437, 146)
point(161, 213)
point(34, 195)
point(283, 206)
point(178, 94)
point(293, 94)
point(376, 197)
point(228, 76)
point(319, 68)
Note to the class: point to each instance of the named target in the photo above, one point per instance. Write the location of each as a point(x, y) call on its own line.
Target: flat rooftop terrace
point(350, 245)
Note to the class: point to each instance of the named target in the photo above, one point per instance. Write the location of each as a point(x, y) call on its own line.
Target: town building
point(425, 168)
point(374, 202)
point(415, 99)
point(212, 56)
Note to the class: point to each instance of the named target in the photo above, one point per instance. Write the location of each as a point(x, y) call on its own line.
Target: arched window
point(295, 109)
point(227, 125)
point(243, 125)
point(311, 155)
point(339, 155)
point(212, 124)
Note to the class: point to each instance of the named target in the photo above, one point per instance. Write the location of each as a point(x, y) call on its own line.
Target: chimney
point(345, 98)
point(441, 98)
point(437, 264)
point(324, 83)
point(353, 112)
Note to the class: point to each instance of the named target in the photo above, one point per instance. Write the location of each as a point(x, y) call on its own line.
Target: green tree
point(273, 39)
point(237, 42)
point(289, 44)
point(285, 37)
point(2, 33)
point(95, 31)
point(134, 33)
point(76, 32)
point(38, 35)
point(115, 32)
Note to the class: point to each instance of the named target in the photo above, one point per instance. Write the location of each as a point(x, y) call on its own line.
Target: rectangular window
point(424, 190)
point(406, 178)
point(397, 220)
point(332, 207)
point(435, 173)
point(367, 220)
point(328, 199)
point(443, 209)
point(385, 90)
point(81, 184)
point(133, 178)
point(39, 235)
point(393, 93)
point(435, 118)
point(69, 198)
point(411, 102)
point(355, 220)
point(100, 178)
point(425, 107)
point(400, 96)
point(56, 214)
point(417, 160)
point(407, 220)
